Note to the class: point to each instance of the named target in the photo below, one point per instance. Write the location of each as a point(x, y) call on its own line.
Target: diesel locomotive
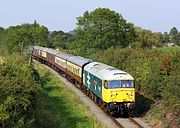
point(112, 89)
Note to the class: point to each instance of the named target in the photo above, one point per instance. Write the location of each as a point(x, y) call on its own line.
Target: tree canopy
point(18, 37)
point(103, 28)
point(59, 39)
point(146, 38)
point(173, 32)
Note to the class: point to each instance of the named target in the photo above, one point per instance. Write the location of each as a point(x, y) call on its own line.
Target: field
point(59, 107)
point(168, 49)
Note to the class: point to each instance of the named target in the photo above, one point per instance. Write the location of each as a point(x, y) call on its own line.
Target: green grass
point(168, 49)
point(60, 108)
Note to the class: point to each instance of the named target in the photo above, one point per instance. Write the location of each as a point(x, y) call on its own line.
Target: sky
point(154, 15)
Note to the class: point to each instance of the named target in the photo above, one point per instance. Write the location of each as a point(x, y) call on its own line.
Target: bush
point(18, 93)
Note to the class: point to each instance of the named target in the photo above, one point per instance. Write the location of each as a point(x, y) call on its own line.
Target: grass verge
point(60, 108)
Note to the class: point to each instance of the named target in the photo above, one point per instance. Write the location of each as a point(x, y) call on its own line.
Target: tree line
point(102, 35)
point(96, 30)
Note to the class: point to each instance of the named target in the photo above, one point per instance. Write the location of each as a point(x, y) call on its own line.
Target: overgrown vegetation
point(18, 93)
point(59, 107)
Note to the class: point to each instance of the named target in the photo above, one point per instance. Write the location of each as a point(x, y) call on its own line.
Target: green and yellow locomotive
point(112, 88)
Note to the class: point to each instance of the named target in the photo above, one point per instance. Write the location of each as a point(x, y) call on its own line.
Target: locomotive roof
point(78, 60)
point(63, 55)
point(107, 72)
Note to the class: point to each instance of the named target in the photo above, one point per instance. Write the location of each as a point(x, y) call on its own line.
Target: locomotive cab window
point(114, 84)
point(127, 83)
point(111, 84)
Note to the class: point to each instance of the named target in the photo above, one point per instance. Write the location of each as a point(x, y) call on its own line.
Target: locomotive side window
point(106, 84)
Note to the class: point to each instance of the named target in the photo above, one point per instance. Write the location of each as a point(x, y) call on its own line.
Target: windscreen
point(119, 84)
point(114, 84)
point(127, 84)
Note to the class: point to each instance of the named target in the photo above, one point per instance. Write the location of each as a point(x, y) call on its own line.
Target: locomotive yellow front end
point(119, 92)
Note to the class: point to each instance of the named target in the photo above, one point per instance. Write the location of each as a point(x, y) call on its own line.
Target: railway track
point(129, 123)
point(119, 122)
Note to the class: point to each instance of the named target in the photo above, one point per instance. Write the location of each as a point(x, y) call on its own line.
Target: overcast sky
point(155, 15)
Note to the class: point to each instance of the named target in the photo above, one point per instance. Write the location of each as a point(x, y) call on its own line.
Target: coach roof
point(52, 51)
point(63, 55)
point(77, 60)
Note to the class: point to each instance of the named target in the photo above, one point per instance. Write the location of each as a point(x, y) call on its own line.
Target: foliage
point(146, 38)
point(17, 38)
point(172, 37)
point(59, 39)
point(165, 38)
point(18, 93)
point(171, 92)
point(173, 33)
point(103, 28)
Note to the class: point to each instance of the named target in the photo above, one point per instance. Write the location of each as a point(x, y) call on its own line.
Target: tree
point(146, 38)
point(178, 39)
point(103, 28)
point(18, 93)
point(1, 33)
point(59, 39)
point(173, 33)
point(17, 38)
point(165, 37)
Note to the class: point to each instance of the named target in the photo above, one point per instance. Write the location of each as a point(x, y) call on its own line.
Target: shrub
point(18, 93)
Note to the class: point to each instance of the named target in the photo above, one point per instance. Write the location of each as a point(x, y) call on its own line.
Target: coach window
point(106, 84)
